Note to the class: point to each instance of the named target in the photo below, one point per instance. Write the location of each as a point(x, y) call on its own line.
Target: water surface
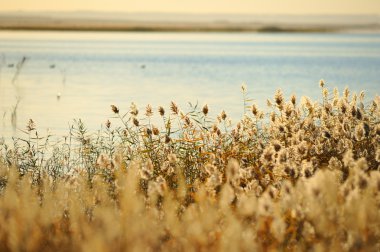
point(92, 70)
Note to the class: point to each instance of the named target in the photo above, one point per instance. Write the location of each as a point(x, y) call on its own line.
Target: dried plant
point(301, 176)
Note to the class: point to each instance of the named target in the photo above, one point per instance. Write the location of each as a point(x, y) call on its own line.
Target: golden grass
point(302, 177)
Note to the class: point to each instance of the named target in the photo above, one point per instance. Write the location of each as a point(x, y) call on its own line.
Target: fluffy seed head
point(254, 110)
point(134, 110)
point(174, 108)
point(115, 109)
point(279, 98)
point(108, 124)
point(223, 115)
point(205, 109)
point(136, 122)
point(148, 110)
point(321, 83)
point(167, 139)
point(31, 125)
point(161, 110)
point(359, 132)
point(156, 132)
point(293, 99)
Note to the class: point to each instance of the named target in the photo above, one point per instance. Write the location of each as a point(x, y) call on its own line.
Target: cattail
point(174, 108)
point(115, 109)
point(161, 111)
point(205, 110)
point(148, 110)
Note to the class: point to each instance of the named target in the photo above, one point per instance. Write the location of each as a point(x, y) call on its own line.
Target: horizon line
point(187, 13)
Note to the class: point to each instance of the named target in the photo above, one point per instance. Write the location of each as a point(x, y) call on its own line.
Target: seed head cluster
point(296, 176)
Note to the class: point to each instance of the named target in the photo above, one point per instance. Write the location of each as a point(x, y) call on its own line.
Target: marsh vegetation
point(298, 175)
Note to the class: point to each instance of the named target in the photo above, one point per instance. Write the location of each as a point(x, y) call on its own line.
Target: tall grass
point(304, 176)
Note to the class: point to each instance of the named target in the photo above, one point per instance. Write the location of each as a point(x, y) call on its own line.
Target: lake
point(89, 71)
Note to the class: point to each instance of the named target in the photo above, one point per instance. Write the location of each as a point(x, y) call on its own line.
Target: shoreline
point(172, 29)
point(173, 23)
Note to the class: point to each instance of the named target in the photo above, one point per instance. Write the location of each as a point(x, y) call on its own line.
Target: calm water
point(91, 71)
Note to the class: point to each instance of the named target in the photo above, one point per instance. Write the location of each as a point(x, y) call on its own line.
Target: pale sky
point(201, 6)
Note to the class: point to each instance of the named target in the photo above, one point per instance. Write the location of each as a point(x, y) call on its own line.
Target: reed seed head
point(321, 83)
point(136, 122)
point(161, 111)
point(108, 124)
point(31, 125)
point(115, 109)
point(174, 108)
point(205, 109)
point(148, 110)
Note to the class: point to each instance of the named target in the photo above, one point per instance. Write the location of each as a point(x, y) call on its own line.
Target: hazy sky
point(201, 6)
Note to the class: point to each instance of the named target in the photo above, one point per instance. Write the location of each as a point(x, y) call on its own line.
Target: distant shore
point(165, 29)
point(172, 23)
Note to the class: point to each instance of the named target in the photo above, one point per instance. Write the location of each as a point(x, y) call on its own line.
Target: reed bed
point(301, 176)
